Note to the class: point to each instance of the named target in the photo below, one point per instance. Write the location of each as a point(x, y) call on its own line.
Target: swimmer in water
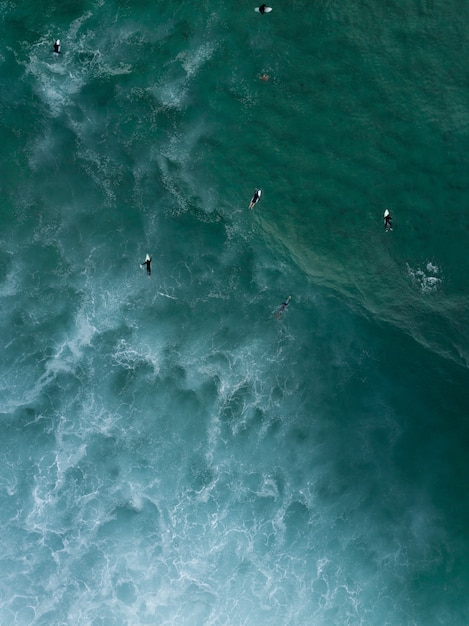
point(255, 199)
point(282, 308)
point(147, 262)
point(57, 46)
point(264, 77)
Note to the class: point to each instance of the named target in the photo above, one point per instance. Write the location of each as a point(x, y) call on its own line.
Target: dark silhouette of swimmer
point(283, 306)
point(255, 199)
point(262, 8)
point(147, 262)
point(57, 46)
point(387, 220)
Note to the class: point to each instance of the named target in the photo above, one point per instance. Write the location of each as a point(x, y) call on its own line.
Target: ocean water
point(174, 452)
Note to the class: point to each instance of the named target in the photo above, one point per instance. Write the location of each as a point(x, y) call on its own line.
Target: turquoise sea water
point(171, 452)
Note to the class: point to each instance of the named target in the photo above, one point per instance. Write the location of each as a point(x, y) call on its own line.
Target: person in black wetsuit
point(57, 46)
point(388, 221)
point(282, 308)
point(262, 8)
point(147, 262)
point(255, 199)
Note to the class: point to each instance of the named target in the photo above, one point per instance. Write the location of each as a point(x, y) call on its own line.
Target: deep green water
point(171, 453)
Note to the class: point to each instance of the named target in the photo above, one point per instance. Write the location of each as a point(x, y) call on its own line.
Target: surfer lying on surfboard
point(255, 199)
point(147, 262)
point(57, 46)
point(263, 9)
point(387, 221)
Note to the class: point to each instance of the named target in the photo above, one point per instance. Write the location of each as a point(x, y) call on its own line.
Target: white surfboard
point(386, 213)
point(266, 9)
point(147, 258)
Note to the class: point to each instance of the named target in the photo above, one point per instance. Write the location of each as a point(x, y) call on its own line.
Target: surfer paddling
point(57, 46)
point(282, 308)
point(255, 199)
point(264, 9)
point(387, 221)
point(147, 262)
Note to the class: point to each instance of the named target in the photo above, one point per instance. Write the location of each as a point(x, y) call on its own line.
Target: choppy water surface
point(173, 451)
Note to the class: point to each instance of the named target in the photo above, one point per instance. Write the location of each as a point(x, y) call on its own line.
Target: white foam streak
point(425, 278)
point(129, 356)
point(67, 355)
point(193, 60)
point(10, 285)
